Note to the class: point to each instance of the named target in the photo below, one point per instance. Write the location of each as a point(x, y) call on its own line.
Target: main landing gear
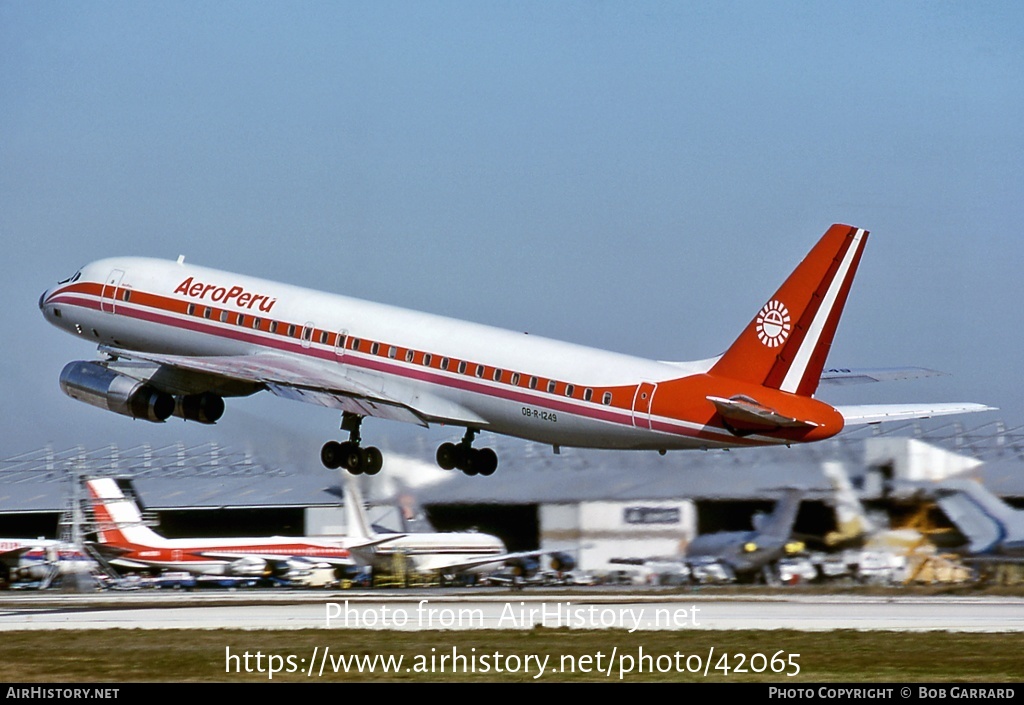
point(349, 454)
point(470, 460)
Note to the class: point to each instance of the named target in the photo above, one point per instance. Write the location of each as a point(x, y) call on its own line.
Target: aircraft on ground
point(447, 554)
point(178, 338)
point(123, 535)
point(749, 555)
point(854, 528)
point(41, 561)
point(994, 530)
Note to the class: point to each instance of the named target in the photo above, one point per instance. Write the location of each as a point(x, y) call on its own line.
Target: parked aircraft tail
point(852, 522)
point(358, 525)
point(118, 519)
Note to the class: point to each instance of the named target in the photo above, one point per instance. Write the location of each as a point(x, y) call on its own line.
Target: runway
point(454, 610)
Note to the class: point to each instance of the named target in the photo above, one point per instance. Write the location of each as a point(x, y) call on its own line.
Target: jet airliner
point(123, 534)
point(448, 553)
point(177, 338)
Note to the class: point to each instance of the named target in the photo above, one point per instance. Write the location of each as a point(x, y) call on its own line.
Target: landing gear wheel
point(447, 455)
point(372, 460)
point(470, 465)
point(470, 460)
point(486, 461)
point(330, 455)
point(351, 457)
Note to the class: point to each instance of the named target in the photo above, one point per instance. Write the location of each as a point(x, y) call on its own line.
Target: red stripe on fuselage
point(169, 311)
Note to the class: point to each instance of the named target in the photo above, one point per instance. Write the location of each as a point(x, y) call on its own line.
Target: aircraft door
point(108, 297)
point(642, 404)
point(307, 333)
point(339, 345)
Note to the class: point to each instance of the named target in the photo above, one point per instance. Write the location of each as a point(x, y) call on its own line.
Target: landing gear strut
point(349, 454)
point(470, 460)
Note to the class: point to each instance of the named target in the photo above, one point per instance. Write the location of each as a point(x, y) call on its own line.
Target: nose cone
point(42, 300)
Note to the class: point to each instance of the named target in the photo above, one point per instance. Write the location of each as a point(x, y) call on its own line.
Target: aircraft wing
point(854, 415)
point(336, 387)
point(363, 553)
point(11, 556)
point(847, 375)
point(461, 565)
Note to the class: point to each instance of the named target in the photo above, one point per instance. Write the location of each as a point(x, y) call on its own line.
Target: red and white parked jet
point(130, 543)
point(178, 338)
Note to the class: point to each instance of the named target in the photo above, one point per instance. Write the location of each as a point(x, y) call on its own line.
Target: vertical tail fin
point(118, 519)
point(358, 526)
point(785, 345)
point(852, 522)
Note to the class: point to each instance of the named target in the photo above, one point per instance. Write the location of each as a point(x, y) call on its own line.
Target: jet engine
point(562, 562)
point(96, 384)
point(249, 567)
point(204, 408)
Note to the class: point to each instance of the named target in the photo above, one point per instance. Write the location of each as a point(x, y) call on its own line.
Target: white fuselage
point(450, 371)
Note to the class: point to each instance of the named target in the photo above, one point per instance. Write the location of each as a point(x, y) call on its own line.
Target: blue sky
point(635, 176)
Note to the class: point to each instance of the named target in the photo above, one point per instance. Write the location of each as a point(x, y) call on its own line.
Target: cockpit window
point(73, 278)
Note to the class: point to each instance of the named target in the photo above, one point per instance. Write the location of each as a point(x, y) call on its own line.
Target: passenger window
point(191, 309)
point(241, 319)
point(569, 389)
point(257, 322)
point(444, 363)
point(551, 386)
point(462, 367)
point(588, 394)
point(223, 316)
point(273, 326)
point(533, 382)
point(392, 352)
point(409, 354)
point(479, 370)
point(515, 379)
point(607, 398)
point(291, 330)
point(354, 344)
point(208, 312)
point(324, 337)
point(427, 358)
point(497, 375)
point(374, 348)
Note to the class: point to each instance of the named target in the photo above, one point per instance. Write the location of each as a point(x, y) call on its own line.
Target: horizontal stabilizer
point(846, 375)
point(877, 413)
point(744, 414)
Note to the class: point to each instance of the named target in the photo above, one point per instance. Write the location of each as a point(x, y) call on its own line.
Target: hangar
point(600, 505)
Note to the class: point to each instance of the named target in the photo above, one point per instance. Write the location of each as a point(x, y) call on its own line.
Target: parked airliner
point(178, 338)
point(41, 560)
point(445, 554)
point(129, 543)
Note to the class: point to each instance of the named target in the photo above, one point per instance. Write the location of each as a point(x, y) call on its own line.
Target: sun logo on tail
point(773, 324)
